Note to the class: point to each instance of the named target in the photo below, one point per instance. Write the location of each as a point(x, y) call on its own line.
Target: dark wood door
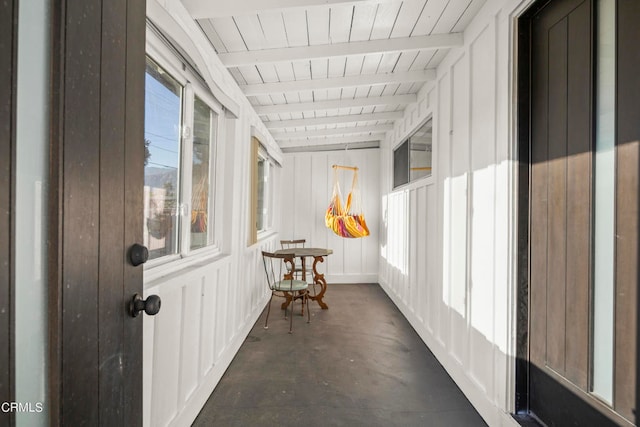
point(8, 31)
point(557, 83)
point(97, 154)
point(627, 250)
point(560, 203)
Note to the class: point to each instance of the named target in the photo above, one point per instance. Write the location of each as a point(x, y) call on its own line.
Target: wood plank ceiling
point(330, 73)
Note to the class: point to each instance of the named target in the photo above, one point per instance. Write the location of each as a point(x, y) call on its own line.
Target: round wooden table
point(318, 255)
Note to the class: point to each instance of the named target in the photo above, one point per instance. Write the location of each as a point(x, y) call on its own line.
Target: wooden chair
point(298, 266)
point(296, 243)
point(282, 284)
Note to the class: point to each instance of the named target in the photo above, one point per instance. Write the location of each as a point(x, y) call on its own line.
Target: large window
point(180, 136)
point(163, 120)
point(412, 158)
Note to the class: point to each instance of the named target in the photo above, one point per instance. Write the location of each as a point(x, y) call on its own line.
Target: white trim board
point(349, 279)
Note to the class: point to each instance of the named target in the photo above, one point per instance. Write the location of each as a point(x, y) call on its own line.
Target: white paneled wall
point(210, 301)
point(441, 247)
point(307, 183)
point(447, 254)
point(206, 314)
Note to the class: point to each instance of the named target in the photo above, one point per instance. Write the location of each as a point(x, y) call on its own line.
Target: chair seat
point(290, 285)
point(282, 283)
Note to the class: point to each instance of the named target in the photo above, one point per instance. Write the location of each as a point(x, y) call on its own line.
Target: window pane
point(604, 225)
point(163, 101)
point(200, 197)
point(420, 152)
point(260, 214)
point(265, 195)
point(400, 165)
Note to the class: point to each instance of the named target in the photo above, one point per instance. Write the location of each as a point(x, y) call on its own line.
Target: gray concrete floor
point(359, 363)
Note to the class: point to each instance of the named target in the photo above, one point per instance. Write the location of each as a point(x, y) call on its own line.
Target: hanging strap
point(336, 197)
point(355, 194)
point(353, 204)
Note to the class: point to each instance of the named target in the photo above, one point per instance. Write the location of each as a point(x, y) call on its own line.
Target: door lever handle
point(151, 305)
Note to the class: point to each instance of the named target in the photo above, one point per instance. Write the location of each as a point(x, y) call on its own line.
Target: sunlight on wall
point(397, 239)
point(501, 256)
point(482, 253)
point(457, 256)
point(446, 241)
point(466, 308)
point(384, 227)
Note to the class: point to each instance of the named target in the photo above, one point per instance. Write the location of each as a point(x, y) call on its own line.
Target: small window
point(401, 164)
point(202, 173)
point(262, 170)
point(412, 158)
point(263, 207)
point(420, 146)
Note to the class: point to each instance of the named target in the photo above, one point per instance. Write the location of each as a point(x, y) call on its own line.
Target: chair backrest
point(296, 243)
point(276, 268)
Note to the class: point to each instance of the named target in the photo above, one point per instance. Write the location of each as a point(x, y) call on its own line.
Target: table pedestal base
point(318, 280)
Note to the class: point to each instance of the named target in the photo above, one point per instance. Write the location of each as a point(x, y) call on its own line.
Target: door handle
point(138, 254)
point(151, 305)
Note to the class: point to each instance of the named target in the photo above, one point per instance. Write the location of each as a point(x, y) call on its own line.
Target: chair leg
point(290, 304)
point(266, 321)
point(291, 318)
point(306, 297)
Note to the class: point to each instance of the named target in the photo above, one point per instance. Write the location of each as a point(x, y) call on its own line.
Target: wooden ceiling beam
point(304, 53)
point(318, 121)
point(338, 103)
point(339, 82)
point(331, 140)
point(330, 147)
point(279, 136)
point(200, 9)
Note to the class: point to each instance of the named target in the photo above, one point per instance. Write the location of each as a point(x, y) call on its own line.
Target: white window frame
point(268, 194)
point(159, 52)
point(407, 137)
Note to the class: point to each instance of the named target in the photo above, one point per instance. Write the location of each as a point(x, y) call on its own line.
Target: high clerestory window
point(412, 158)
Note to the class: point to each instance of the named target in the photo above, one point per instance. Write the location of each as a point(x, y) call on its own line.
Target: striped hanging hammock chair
point(199, 201)
point(346, 220)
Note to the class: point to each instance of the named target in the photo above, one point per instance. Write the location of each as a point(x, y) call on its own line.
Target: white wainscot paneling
point(483, 207)
point(442, 170)
point(407, 264)
point(420, 241)
point(457, 184)
point(446, 251)
point(397, 239)
point(306, 190)
point(207, 311)
point(419, 256)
